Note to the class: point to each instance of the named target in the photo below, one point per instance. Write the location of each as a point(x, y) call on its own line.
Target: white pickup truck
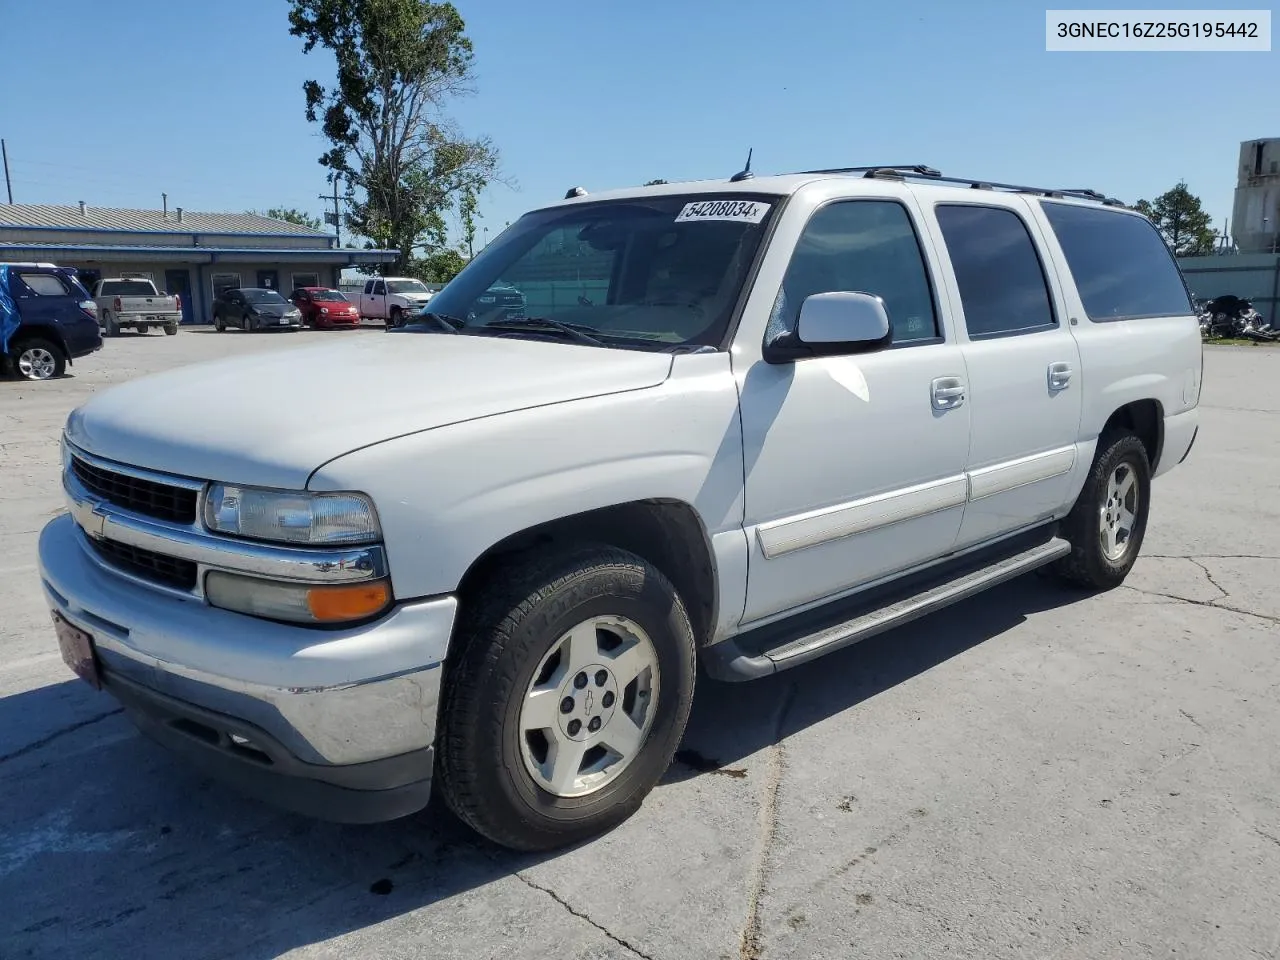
point(393, 299)
point(125, 302)
point(761, 420)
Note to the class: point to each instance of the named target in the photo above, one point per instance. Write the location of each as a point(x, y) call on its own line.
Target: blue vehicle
point(47, 320)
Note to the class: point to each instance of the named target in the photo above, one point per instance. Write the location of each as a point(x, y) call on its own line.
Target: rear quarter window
point(1119, 262)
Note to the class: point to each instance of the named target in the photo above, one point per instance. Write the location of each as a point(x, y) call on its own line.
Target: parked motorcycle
point(1235, 317)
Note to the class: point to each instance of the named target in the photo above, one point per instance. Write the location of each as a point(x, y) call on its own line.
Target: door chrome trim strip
point(781, 537)
point(1003, 477)
point(778, 538)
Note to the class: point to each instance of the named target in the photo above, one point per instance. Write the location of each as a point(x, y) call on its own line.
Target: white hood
point(273, 418)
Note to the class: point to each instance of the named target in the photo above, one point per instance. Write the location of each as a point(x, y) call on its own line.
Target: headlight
point(297, 602)
point(287, 516)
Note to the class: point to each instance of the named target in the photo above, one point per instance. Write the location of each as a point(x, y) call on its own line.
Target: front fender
point(445, 496)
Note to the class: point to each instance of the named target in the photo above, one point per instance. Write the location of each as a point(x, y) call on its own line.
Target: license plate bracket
point(77, 651)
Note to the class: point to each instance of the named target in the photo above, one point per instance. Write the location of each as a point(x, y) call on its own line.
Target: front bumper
point(336, 724)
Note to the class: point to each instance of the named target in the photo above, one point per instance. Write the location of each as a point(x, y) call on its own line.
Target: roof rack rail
point(919, 171)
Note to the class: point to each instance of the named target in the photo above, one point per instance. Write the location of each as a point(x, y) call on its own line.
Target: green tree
point(1181, 220)
point(406, 166)
point(653, 183)
point(439, 266)
point(290, 215)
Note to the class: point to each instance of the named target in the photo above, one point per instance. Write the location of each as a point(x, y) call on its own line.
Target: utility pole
point(8, 185)
point(337, 214)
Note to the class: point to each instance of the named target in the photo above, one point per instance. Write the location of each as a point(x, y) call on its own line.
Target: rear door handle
point(1059, 375)
point(948, 392)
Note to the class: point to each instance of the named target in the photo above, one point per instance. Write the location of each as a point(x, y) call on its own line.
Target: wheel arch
point(1145, 418)
point(668, 533)
point(40, 331)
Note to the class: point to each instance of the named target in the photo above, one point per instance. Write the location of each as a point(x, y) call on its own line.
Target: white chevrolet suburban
point(746, 421)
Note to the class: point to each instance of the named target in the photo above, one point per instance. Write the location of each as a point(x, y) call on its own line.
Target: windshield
point(128, 288)
point(406, 286)
point(263, 296)
point(327, 295)
point(652, 272)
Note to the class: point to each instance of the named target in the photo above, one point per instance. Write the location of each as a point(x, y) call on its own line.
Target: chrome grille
point(147, 497)
point(147, 564)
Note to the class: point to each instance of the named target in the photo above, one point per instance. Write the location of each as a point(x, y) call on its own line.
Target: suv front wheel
point(567, 698)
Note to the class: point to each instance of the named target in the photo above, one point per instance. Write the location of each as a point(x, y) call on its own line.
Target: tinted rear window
point(1119, 262)
point(128, 288)
point(1002, 285)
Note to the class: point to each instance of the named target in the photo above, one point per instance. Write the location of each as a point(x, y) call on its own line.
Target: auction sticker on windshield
point(741, 211)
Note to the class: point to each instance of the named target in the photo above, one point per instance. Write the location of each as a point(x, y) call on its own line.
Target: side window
point(45, 284)
point(861, 246)
point(368, 286)
point(1002, 284)
point(379, 286)
point(1120, 264)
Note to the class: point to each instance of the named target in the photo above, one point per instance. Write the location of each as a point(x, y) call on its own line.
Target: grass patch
point(1231, 342)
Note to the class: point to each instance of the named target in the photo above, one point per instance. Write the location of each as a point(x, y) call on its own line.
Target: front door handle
point(1059, 376)
point(948, 392)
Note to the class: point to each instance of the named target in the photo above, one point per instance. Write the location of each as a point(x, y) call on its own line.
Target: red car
point(325, 308)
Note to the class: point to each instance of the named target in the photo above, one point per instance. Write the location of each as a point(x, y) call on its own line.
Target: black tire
point(170, 329)
point(218, 325)
point(112, 329)
point(396, 319)
point(1087, 564)
point(250, 324)
point(503, 636)
point(19, 350)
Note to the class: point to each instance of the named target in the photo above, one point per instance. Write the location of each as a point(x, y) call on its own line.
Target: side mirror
point(843, 322)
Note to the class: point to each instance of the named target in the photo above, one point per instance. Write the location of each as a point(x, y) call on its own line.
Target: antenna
point(745, 173)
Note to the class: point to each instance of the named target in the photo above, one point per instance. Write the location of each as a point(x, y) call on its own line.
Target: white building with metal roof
point(195, 255)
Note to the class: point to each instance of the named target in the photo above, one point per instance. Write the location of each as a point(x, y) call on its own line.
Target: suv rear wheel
point(566, 701)
point(1109, 519)
point(39, 359)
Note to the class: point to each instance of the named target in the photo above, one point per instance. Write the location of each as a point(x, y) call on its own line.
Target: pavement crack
point(534, 885)
point(1210, 556)
point(1210, 604)
point(1193, 719)
point(45, 741)
point(1209, 576)
point(1262, 833)
point(750, 946)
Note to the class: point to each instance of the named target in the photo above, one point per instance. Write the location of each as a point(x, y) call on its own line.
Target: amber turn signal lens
point(332, 604)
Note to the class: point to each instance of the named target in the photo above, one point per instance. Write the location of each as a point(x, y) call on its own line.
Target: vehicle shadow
point(165, 863)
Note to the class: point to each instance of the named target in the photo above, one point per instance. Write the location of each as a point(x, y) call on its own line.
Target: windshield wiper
point(446, 323)
point(573, 331)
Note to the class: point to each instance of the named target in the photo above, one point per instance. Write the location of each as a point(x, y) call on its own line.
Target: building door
point(89, 278)
point(178, 283)
point(269, 279)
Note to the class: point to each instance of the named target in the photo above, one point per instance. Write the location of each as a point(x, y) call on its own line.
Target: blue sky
point(203, 101)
